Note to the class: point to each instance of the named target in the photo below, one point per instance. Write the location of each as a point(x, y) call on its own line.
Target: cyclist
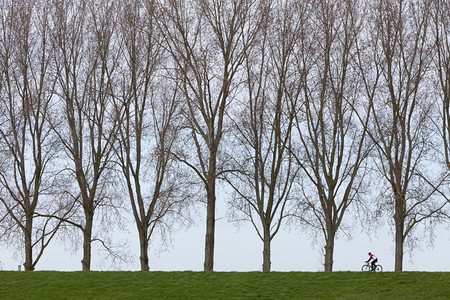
point(374, 260)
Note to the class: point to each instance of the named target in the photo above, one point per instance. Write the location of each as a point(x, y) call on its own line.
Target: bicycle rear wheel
point(378, 268)
point(365, 268)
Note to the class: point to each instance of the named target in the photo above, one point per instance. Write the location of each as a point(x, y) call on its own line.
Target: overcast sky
point(241, 250)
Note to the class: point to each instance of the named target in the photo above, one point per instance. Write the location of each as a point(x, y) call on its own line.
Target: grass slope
point(223, 285)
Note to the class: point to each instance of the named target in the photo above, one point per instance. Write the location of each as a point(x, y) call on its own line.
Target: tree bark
point(28, 265)
point(398, 249)
point(266, 252)
point(143, 241)
point(210, 225)
point(87, 243)
point(399, 239)
point(329, 250)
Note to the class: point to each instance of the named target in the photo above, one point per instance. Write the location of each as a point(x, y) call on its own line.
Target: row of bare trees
point(85, 109)
point(299, 107)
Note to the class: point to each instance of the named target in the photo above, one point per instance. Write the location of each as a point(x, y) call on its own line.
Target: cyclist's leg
point(373, 264)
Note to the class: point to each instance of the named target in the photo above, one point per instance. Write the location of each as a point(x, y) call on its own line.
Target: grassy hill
point(223, 285)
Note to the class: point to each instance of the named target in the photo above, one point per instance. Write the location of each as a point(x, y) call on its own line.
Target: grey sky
point(242, 251)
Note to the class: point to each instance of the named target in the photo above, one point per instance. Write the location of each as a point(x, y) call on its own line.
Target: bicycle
point(368, 268)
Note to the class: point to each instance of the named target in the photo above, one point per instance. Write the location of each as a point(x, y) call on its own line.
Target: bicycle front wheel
point(379, 268)
point(365, 268)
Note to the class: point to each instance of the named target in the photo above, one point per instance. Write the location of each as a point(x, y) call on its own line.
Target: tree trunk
point(399, 220)
point(87, 239)
point(210, 228)
point(329, 250)
point(266, 252)
point(210, 210)
point(28, 265)
point(398, 246)
point(143, 248)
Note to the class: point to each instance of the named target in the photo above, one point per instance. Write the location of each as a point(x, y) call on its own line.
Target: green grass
point(223, 285)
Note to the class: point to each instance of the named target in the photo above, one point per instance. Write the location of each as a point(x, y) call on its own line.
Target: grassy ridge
point(223, 285)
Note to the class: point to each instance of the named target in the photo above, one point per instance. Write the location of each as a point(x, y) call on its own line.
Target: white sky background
point(241, 250)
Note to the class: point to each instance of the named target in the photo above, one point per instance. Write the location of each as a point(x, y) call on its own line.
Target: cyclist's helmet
point(370, 253)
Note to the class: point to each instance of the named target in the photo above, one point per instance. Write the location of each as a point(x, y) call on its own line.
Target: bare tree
point(87, 54)
point(208, 40)
point(331, 125)
point(148, 129)
point(264, 170)
point(27, 145)
point(441, 31)
point(400, 53)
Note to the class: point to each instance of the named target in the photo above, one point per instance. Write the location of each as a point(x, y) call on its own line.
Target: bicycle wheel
point(365, 268)
point(379, 268)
